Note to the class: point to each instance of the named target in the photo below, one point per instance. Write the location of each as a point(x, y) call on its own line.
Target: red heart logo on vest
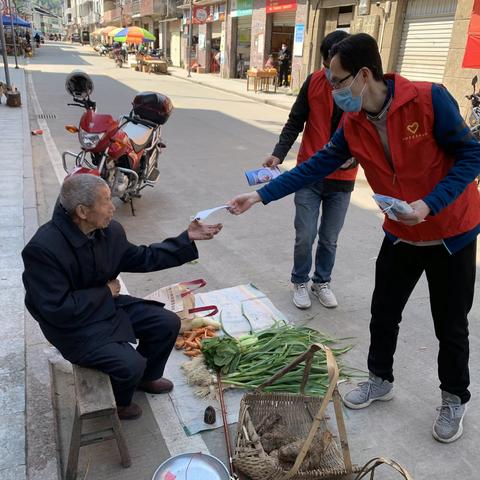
point(413, 127)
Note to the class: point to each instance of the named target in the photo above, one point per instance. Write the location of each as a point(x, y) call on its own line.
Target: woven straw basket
point(304, 416)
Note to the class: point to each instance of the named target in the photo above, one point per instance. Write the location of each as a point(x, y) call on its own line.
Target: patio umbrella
point(113, 32)
point(134, 35)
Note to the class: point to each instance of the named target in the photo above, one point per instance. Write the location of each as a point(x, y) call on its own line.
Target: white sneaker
point(324, 294)
point(301, 298)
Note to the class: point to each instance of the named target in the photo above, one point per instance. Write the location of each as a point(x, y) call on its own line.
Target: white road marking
point(176, 439)
point(52, 150)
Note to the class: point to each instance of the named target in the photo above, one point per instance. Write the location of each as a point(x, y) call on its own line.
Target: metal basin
point(192, 466)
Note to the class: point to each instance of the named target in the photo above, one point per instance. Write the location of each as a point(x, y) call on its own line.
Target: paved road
point(212, 138)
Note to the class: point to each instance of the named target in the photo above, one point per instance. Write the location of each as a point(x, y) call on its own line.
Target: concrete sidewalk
point(27, 432)
point(281, 98)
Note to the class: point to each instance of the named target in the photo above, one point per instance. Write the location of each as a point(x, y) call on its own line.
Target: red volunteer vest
point(418, 162)
point(317, 127)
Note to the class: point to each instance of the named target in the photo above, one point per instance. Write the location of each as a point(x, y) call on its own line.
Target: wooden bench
point(94, 398)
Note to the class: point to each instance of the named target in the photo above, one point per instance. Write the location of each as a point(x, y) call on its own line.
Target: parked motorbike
point(103, 49)
point(474, 118)
point(123, 152)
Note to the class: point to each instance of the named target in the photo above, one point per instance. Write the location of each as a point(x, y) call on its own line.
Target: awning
point(471, 58)
point(17, 21)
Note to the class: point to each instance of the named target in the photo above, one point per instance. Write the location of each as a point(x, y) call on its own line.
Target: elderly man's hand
point(201, 231)
point(114, 286)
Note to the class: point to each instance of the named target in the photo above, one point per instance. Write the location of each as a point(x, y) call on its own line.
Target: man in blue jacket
point(413, 145)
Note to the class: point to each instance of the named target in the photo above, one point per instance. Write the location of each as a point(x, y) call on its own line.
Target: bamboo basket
point(374, 463)
point(304, 416)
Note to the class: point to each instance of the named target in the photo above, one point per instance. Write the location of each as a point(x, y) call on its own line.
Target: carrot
point(211, 328)
point(198, 341)
point(191, 336)
point(192, 344)
point(193, 353)
point(199, 331)
point(179, 343)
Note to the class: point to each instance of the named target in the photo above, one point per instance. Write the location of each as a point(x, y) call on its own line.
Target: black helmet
point(79, 85)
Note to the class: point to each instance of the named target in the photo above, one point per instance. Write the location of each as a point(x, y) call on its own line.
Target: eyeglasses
point(338, 84)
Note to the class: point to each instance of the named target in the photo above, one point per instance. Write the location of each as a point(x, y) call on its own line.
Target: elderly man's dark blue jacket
point(66, 275)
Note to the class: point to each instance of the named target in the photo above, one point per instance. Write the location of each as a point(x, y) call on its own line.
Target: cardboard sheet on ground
point(243, 308)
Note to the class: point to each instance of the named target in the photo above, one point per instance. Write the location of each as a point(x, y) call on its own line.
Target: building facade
point(421, 39)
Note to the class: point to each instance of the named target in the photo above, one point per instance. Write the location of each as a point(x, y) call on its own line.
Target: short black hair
point(358, 51)
point(330, 40)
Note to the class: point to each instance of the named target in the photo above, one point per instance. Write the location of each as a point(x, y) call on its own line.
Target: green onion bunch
point(250, 360)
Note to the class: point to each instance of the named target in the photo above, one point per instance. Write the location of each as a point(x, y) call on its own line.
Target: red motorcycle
point(123, 152)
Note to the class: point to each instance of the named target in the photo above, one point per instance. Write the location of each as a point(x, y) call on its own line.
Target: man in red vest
point(315, 110)
point(414, 146)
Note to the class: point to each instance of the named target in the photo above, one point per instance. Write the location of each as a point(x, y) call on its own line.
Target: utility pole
point(13, 34)
point(4, 49)
point(190, 40)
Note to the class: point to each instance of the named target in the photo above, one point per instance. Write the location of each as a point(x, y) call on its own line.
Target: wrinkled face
point(100, 214)
point(340, 78)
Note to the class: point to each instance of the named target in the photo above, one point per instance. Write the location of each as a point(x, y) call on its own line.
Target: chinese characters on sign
point(281, 6)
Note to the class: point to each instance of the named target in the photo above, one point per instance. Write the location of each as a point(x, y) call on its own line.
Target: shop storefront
point(283, 14)
point(425, 42)
point(173, 43)
point(242, 13)
point(217, 26)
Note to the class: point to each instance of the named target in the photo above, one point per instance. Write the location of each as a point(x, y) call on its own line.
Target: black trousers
point(156, 330)
point(283, 75)
point(451, 280)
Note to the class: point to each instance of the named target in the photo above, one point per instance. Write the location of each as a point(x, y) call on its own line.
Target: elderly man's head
point(87, 199)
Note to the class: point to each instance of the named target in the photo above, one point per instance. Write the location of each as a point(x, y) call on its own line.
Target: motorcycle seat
point(139, 135)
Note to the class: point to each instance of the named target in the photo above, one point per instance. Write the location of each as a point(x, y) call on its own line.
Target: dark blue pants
point(156, 330)
point(451, 282)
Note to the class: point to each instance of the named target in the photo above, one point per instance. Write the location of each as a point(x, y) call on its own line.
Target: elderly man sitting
point(71, 269)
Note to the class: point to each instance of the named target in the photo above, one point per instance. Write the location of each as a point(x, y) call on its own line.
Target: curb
point(41, 453)
point(273, 103)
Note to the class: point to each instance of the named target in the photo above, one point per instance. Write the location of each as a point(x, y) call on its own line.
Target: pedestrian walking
point(316, 114)
point(413, 145)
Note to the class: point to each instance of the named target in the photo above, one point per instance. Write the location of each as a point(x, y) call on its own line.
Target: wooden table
point(159, 66)
point(262, 79)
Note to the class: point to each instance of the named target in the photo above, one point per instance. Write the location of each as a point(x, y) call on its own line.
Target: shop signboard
point(274, 6)
point(241, 8)
point(215, 13)
point(218, 12)
point(298, 39)
point(200, 15)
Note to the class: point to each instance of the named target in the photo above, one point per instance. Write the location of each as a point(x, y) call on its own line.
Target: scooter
point(123, 152)
point(118, 58)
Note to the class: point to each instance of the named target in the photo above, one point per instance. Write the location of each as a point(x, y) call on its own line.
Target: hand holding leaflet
point(392, 207)
point(202, 215)
point(262, 175)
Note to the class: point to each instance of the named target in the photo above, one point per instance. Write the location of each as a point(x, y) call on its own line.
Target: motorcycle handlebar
point(87, 103)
